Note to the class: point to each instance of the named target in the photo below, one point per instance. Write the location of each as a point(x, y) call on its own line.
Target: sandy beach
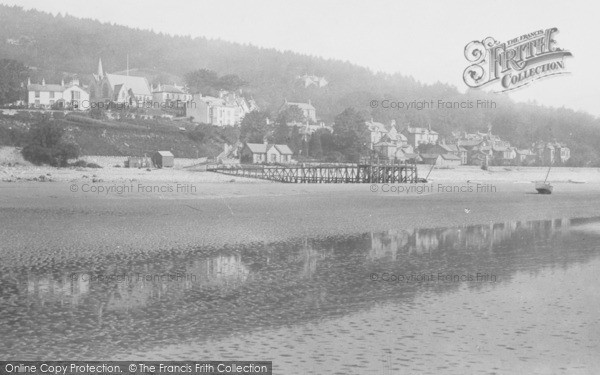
point(288, 303)
point(81, 212)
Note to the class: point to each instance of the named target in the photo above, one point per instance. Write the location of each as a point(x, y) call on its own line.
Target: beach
point(84, 210)
point(163, 264)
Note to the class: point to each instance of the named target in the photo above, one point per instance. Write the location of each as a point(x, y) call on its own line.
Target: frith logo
point(515, 63)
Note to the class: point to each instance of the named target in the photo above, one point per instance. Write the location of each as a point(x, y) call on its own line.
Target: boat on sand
point(544, 187)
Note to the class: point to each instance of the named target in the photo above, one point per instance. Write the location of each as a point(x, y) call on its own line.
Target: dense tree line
point(13, 75)
point(208, 82)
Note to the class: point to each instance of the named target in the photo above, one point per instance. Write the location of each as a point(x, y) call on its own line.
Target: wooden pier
point(325, 173)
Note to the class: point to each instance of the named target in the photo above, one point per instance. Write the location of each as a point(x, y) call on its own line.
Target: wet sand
point(541, 322)
point(310, 309)
point(40, 219)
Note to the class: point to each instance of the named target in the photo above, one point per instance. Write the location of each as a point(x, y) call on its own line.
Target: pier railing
point(325, 173)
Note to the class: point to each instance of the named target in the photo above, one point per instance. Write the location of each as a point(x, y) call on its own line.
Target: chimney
point(62, 81)
point(28, 81)
point(43, 82)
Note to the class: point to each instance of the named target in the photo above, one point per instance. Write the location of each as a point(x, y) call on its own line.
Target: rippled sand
point(325, 304)
point(538, 322)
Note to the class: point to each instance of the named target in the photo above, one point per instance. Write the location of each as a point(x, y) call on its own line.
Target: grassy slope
point(114, 138)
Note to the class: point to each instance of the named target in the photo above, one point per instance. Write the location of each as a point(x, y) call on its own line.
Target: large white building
point(227, 110)
point(69, 96)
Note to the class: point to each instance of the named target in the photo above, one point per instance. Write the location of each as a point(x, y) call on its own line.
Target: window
point(37, 94)
point(51, 94)
point(75, 95)
point(273, 157)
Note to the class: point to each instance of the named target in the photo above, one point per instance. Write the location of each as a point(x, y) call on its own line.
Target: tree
point(230, 82)
point(327, 142)
point(314, 145)
point(46, 146)
point(295, 140)
point(292, 113)
point(201, 80)
point(350, 134)
point(281, 134)
point(254, 127)
point(12, 75)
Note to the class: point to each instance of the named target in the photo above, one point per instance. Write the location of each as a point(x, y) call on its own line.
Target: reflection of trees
point(135, 287)
point(260, 286)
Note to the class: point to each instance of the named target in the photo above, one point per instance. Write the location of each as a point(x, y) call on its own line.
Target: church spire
point(100, 70)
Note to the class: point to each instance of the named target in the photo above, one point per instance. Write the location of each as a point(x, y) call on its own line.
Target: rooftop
point(305, 106)
point(139, 85)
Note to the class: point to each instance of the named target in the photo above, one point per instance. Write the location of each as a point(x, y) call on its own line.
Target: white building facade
point(47, 96)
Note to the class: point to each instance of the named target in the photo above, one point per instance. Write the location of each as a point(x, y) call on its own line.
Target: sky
point(423, 39)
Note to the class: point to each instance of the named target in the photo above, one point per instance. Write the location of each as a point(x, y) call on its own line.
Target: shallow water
point(503, 298)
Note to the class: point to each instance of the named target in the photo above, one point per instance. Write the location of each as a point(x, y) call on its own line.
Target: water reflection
point(96, 309)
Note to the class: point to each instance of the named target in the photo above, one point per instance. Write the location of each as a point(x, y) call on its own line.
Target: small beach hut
point(163, 159)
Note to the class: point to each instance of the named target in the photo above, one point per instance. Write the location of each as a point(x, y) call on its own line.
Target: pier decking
point(325, 173)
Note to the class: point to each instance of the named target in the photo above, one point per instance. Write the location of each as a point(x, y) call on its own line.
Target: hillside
point(53, 45)
point(116, 138)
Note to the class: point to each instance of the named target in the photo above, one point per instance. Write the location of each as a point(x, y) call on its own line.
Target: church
point(118, 88)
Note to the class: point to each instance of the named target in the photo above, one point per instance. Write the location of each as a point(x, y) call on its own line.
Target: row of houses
point(394, 145)
point(227, 109)
point(424, 145)
point(489, 149)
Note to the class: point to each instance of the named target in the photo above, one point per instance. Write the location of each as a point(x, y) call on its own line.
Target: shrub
point(334, 157)
point(79, 163)
point(97, 113)
point(46, 146)
point(197, 135)
point(484, 167)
